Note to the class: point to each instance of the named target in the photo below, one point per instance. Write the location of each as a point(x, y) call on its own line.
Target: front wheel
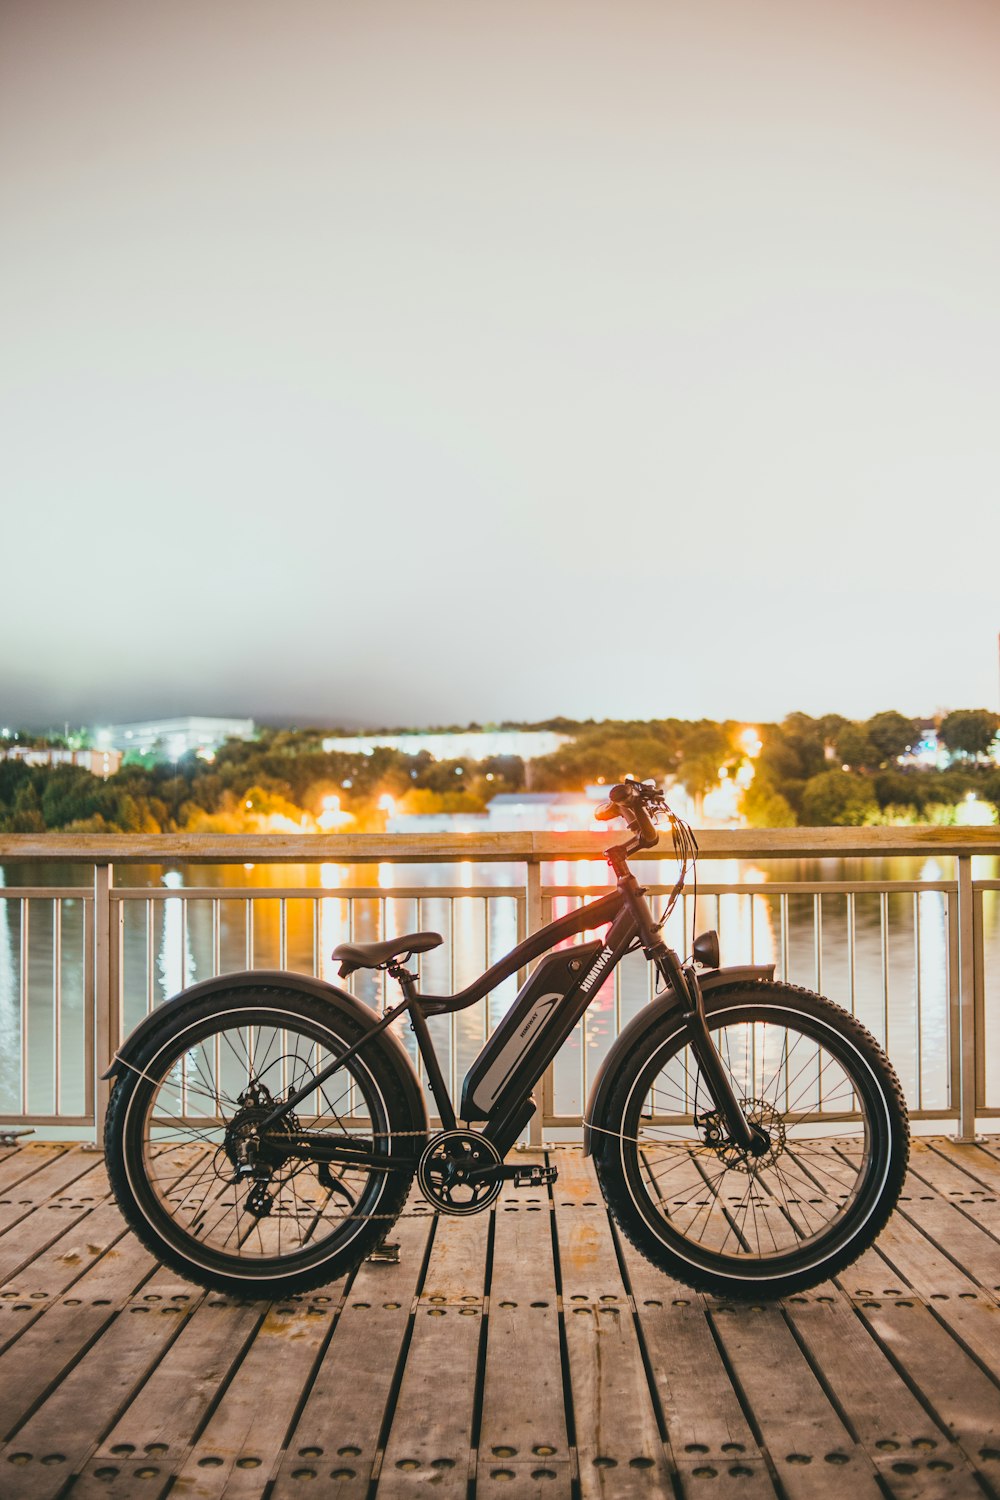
point(817, 1083)
point(226, 1200)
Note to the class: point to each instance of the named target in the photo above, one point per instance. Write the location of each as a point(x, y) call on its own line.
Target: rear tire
point(709, 1215)
point(172, 1113)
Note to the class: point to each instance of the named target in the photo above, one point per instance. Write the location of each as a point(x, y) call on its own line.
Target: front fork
point(684, 983)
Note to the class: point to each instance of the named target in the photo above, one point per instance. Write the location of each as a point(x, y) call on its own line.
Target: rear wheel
point(817, 1083)
point(218, 1196)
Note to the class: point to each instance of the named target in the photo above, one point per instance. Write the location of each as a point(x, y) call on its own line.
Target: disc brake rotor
point(756, 1112)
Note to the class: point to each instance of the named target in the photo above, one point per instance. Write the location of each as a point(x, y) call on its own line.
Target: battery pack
point(497, 1074)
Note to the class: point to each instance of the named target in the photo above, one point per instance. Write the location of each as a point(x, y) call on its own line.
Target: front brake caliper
point(712, 1126)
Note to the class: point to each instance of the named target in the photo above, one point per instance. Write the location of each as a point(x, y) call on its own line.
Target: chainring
point(444, 1168)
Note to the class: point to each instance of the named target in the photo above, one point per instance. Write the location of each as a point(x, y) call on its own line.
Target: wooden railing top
point(415, 848)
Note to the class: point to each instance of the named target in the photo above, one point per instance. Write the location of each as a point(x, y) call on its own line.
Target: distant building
point(512, 812)
point(102, 763)
point(928, 751)
point(437, 823)
point(169, 739)
point(467, 744)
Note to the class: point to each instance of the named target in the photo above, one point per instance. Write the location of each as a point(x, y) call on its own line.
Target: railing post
point(533, 918)
point(105, 991)
point(967, 1039)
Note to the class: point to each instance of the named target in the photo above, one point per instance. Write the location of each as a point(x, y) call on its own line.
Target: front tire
point(196, 1091)
point(718, 1219)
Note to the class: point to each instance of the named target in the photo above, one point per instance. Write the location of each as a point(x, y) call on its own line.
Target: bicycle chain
point(394, 1135)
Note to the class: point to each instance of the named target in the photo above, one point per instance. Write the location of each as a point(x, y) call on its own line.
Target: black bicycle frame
point(533, 1031)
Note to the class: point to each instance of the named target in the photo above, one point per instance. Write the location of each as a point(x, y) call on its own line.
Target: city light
point(332, 815)
point(722, 803)
point(750, 742)
point(971, 813)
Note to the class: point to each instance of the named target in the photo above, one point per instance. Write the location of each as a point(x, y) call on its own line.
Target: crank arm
point(533, 1175)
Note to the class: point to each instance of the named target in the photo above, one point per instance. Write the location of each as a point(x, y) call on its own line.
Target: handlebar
point(634, 801)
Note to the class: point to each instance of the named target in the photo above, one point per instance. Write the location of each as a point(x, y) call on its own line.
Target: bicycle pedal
point(385, 1255)
point(534, 1176)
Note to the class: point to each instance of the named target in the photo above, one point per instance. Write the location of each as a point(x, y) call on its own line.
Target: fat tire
point(890, 1150)
point(123, 1142)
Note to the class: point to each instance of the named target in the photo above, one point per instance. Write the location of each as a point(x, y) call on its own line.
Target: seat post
point(407, 982)
point(435, 1078)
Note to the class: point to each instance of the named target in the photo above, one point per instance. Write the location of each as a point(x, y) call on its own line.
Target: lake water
point(884, 956)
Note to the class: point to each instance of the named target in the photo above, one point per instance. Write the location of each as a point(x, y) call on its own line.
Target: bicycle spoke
point(242, 1213)
point(723, 1200)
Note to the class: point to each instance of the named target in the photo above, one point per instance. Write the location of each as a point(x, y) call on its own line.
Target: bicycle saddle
point(353, 956)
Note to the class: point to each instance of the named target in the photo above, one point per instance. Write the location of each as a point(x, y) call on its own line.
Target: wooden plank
point(706, 1426)
point(32, 1367)
point(57, 1438)
point(155, 1429)
point(946, 1174)
point(619, 1444)
point(814, 1454)
point(239, 1449)
point(46, 1222)
point(966, 1403)
point(430, 1440)
point(990, 1146)
point(871, 1275)
point(977, 1161)
point(79, 1245)
point(341, 1422)
point(913, 1454)
point(25, 1162)
point(49, 1188)
point(875, 1369)
point(172, 1404)
point(917, 1260)
point(52, 1273)
point(523, 1428)
point(969, 1248)
point(49, 1274)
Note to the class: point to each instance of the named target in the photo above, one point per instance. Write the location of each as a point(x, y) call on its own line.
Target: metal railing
point(81, 961)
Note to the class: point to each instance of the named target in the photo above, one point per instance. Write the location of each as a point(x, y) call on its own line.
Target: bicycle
point(750, 1137)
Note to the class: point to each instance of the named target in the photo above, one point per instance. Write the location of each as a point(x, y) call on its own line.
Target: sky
point(375, 362)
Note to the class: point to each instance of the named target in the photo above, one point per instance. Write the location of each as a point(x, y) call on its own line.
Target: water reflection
point(175, 961)
point(885, 955)
point(10, 1006)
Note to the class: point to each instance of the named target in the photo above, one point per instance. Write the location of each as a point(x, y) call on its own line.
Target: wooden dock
point(524, 1352)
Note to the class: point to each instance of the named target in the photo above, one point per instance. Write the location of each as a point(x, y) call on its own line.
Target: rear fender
point(302, 984)
point(648, 1017)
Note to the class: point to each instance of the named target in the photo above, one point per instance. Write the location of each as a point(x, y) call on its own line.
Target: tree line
point(812, 771)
